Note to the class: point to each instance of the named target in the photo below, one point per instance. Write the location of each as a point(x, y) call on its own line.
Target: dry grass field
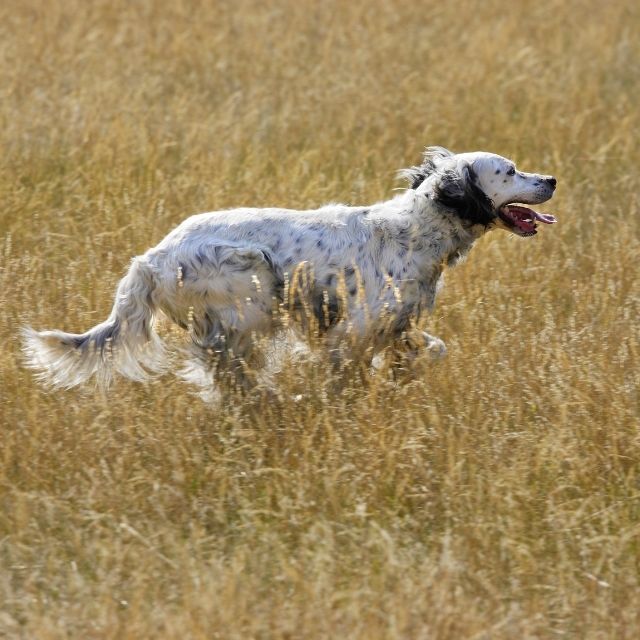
point(496, 495)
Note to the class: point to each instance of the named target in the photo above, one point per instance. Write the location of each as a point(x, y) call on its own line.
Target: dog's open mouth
point(522, 220)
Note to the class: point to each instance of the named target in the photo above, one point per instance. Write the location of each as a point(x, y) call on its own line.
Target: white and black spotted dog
point(363, 274)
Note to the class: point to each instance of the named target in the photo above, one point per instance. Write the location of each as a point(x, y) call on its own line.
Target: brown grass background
point(496, 496)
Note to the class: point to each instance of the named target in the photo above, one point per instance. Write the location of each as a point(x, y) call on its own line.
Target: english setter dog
point(361, 275)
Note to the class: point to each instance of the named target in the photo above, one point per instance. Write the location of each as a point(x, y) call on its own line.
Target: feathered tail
point(125, 342)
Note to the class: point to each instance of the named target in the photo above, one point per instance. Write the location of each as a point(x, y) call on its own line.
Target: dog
point(362, 276)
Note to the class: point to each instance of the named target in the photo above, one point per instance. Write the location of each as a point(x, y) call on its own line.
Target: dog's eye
point(511, 171)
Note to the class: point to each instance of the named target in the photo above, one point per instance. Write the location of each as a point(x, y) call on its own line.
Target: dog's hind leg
point(222, 357)
point(232, 294)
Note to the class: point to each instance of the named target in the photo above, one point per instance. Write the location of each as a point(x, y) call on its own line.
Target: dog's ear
point(431, 158)
point(458, 189)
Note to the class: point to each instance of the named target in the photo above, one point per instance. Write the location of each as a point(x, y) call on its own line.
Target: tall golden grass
point(496, 495)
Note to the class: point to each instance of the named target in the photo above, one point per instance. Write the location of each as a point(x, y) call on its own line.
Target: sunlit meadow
point(495, 495)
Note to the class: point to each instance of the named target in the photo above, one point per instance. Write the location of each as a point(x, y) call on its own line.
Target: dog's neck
point(449, 237)
point(423, 238)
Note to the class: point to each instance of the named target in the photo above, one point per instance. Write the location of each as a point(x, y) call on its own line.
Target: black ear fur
point(430, 159)
point(459, 191)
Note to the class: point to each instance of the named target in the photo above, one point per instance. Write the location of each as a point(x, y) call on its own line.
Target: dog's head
point(483, 189)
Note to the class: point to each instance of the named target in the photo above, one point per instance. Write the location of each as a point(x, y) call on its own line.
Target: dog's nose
point(552, 181)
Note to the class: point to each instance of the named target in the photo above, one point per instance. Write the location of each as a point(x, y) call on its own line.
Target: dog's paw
point(436, 348)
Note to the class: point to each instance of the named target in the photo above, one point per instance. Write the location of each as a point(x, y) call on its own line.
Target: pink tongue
point(543, 217)
point(547, 218)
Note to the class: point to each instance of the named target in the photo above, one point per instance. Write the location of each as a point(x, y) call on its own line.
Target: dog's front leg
point(437, 348)
point(407, 347)
point(413, 342)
